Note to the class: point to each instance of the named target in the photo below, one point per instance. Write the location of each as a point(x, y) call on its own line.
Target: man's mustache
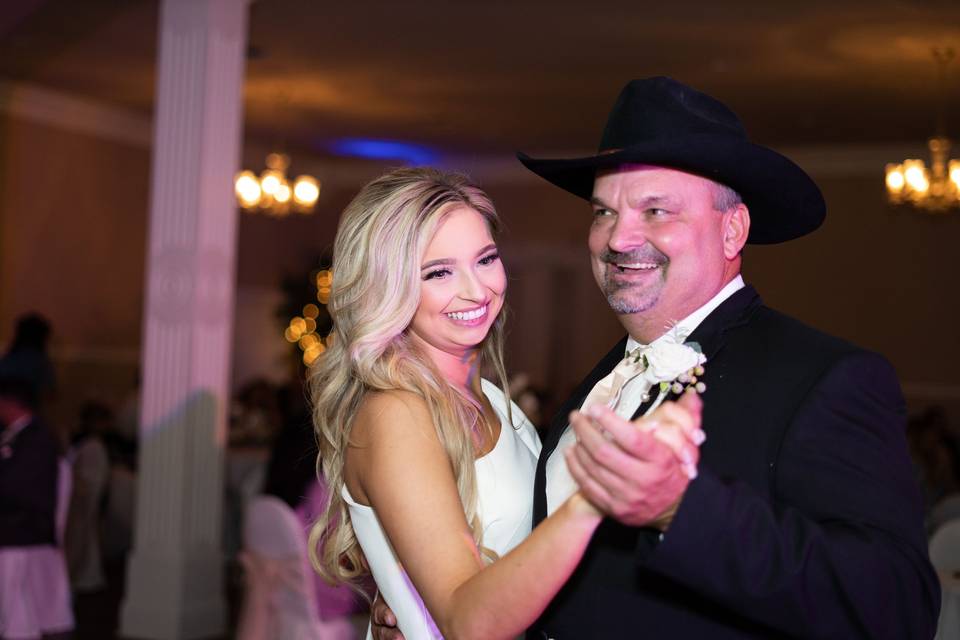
point(646, 253)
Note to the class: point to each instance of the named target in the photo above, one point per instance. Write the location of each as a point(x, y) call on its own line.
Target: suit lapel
point(711, 333)
point(732, 312)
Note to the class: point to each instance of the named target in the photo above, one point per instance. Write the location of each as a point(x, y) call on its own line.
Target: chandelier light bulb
point(306, 190)
point(282, 193)
point(270, 181)
point(915, 175)
point(895, 179)
point(955, 173)
point(278, 162)
point(247, 189)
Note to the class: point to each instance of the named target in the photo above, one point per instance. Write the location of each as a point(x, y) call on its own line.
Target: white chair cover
point(945, 510)
point(945, 556)
point(280, 600)
point(34, 588)
point(945, 546)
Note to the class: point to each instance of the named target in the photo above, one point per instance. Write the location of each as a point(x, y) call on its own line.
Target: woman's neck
point(460, 369)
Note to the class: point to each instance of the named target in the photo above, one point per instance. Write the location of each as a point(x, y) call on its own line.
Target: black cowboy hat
point(662, 122)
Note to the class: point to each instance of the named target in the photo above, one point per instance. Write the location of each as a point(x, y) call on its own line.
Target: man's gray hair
point(725, 198)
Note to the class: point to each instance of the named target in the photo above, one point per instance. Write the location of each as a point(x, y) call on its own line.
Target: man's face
point(657, 243)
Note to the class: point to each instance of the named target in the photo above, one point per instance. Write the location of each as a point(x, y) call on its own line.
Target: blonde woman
point(430, 467)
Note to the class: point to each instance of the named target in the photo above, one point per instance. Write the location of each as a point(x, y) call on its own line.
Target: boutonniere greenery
point(672, 364)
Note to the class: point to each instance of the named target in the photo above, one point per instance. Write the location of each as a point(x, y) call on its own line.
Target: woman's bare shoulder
point(391, 413)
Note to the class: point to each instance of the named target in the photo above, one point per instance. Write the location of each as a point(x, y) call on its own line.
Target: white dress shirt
point(560, 484)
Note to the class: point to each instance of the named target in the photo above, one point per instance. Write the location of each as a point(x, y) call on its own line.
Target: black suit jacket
point(28, 488)
point(804, 521)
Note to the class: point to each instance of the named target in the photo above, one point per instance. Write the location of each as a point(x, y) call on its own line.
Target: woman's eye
point(656, 213)
point(600, 212)
point(436, 273)
point(489, 258)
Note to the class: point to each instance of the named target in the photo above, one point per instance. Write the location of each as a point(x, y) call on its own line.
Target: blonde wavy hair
point(381, 240)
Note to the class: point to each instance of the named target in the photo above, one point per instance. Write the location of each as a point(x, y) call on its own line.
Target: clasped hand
point(637, 472)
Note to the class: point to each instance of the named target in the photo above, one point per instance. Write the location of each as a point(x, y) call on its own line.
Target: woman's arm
point(398, 466)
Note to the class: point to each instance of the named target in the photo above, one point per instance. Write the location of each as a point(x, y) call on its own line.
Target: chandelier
point(271, 193)
point(936, 189)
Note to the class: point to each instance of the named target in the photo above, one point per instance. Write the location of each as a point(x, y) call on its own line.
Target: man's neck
point(647, 327)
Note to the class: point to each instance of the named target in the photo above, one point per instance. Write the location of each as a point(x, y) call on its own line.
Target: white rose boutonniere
point(668, 360)
point(672, 364)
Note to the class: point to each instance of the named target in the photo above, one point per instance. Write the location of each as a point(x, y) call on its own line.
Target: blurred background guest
point(28, 469)
point(531, 400)
point(91, 473)
point(292, 477)
point(936, 457)
point(34, 591)
point(256, 414)
point(27, 356)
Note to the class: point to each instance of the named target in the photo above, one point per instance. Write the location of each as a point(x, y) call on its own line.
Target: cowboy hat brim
point(783, 201)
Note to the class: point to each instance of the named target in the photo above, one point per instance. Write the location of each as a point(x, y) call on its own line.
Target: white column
point(175, 575)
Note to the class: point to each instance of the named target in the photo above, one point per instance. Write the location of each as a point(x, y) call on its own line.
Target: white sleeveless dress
point(505, 506)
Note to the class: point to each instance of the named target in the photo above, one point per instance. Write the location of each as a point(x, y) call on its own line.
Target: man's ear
point(736, 228)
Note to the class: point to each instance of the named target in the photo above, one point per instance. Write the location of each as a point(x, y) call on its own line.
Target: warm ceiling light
point(306, 190)
point(271, 192)
point(248, 189)
point(895, 179)
point(936, 189)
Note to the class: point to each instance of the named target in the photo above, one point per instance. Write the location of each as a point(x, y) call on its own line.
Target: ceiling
point(535, 75)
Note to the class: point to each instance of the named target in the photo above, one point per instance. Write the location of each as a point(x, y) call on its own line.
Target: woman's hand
point(637, 472)
point(677, 425)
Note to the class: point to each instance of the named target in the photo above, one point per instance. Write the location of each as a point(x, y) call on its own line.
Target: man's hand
point(637, 472)
point(383, 623)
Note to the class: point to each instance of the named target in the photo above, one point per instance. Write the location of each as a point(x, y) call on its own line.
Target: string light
point(302, 330)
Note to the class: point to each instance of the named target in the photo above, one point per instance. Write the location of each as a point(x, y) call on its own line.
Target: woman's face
point(462, 283)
